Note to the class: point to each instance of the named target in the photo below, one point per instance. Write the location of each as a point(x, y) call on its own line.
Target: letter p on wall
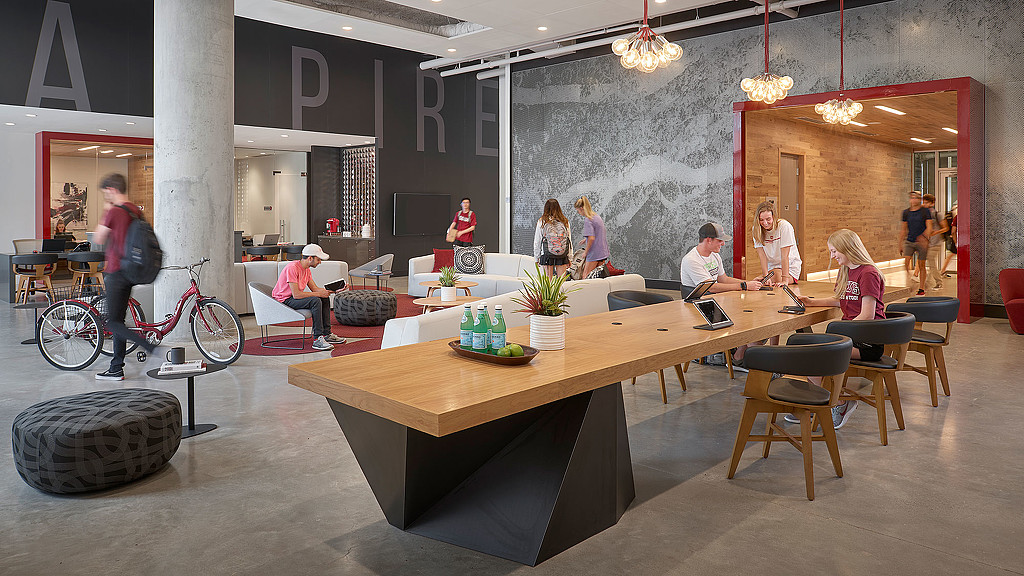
point(298, 100)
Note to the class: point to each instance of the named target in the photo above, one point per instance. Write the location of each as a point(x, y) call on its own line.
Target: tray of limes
point(511, 355)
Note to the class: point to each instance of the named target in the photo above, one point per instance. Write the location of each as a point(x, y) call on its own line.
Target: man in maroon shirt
point(463, 225)
point(111, 231)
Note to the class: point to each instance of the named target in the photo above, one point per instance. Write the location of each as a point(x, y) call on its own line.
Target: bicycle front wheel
point(217, 331)
point(69, 335)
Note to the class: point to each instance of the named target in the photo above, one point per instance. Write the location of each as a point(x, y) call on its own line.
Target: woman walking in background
point(596, 248)
point(552, 246)
point(775, 243)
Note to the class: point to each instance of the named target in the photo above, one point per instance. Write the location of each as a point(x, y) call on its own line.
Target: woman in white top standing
point(775, 242)
point(552, 246)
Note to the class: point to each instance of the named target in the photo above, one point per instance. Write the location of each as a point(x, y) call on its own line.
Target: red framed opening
point(43, 140)
point(970, 119)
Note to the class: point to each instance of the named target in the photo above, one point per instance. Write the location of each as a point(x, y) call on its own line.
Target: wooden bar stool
point(85, 265)
point(263, 252)
point(937, 310)
point(29, 269)
point(894, 332)
point(825, 355)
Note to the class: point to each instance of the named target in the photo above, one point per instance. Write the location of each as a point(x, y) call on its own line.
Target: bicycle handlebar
point(202, 261)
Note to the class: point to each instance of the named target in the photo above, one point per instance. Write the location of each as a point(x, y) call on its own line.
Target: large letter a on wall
point(58, 13)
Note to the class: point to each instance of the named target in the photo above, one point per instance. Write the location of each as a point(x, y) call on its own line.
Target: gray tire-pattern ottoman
point(365, 307)
point(96, 440)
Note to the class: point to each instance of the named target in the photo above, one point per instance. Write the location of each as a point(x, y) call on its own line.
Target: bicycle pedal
point(141, 356)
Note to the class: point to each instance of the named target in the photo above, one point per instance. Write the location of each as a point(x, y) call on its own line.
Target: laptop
point(797, 307)
point(54, 245)
point(712, 313)
point(699, 291)
point(271, 240)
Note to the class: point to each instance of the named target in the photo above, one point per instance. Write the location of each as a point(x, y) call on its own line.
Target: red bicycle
point(71, 334)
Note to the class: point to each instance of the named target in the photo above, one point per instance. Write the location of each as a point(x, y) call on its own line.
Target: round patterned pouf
point(96, 440)
point(365, 307)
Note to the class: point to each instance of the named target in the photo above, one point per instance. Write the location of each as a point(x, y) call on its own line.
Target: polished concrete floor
point(275, 489)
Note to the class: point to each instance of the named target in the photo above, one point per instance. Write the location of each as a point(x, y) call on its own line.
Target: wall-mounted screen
point(422, 214)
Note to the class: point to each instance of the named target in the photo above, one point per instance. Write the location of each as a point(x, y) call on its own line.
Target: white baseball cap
point(315, 250)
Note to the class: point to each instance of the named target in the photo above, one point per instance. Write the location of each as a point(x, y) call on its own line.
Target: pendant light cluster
point(839, 110)
point(646, 50)
point(767, 87)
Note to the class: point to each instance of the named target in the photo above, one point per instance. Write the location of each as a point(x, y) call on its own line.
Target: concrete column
point(193, 134)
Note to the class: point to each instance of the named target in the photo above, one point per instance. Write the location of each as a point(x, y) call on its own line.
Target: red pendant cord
point(765, 36)
point(840, 47)
point(645, 12)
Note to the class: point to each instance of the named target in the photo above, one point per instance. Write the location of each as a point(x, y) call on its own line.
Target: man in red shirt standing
point(295, 288)
point(463, 225)
point(111, 232)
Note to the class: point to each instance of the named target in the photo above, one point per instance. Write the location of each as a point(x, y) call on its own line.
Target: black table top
point(210, 368)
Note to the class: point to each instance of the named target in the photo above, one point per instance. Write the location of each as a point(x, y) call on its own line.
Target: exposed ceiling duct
point(397, 15)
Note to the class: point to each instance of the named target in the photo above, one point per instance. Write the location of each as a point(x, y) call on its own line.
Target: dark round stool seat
point(34, 259)
point(86, 256)
point(622, 299)
point(365, 307)
point(263, 250)
point(293, 252)
point(96, 440)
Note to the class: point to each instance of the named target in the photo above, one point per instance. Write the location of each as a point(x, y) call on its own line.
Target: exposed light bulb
point(838, 111)
point(766, 86)
point(645, 50)
point(620, 46)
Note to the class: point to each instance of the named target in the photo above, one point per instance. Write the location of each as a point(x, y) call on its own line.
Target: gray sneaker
point(717, 359)
point(321, 343)
point(842, 412)
point(791, 419)
point(334, 339)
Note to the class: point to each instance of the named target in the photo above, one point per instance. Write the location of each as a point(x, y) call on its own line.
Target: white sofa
point(267, 272)
point(591, 298)
point(503, 273)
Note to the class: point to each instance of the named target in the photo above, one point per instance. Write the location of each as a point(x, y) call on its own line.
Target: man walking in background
point(938, 236)
point(463, 225)
point(915, 230)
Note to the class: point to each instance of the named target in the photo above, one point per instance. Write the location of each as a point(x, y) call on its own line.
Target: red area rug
point(405, 309)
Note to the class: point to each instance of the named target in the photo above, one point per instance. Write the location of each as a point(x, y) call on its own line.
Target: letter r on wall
point(434, 111)
point(298, 100)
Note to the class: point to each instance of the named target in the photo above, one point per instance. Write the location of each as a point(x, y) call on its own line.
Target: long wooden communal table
point(523, 462)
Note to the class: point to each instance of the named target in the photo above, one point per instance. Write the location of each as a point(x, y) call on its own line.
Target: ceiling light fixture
point(451, 49)
point(660, 1)
point(951, 130)
point(101, 129)
point(646, 50)
point(855, 123)
point(105, 151)
point(346, 28)
point(838, 110)
point(123, 155)
point(767, 87)
point(284, 135)
point(88, 148)
point(542, 28)
point(921, 141)
point(8, 123)
point(30, 115)
point(891, 110)
point(130, 123)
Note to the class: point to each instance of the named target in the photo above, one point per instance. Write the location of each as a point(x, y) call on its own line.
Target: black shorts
point(951, 245)
point(461, 243)
point(553, 260)
point(869, 352)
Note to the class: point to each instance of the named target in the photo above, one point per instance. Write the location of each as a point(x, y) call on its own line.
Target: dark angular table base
point(524, 487)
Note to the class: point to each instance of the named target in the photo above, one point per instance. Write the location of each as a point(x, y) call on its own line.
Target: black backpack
point(142, 257)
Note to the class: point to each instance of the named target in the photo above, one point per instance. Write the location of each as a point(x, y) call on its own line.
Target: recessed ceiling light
point(855, 123)
point(921, 141)
point(891, 110)
point(451, 49)
point(346, 28)
point(950, 130)
point(123, 155)
point(660, 1)
point(368, 142)
point(8, 123)
point(30, 115)
point(542, 28)
point(262, 153)
point(105, 151)
point(284, 135)
point(130, 123)
point(88, 148)
point(250, 141)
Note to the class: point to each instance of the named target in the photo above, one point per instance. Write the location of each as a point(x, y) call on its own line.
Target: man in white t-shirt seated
point(704, 262)
point(295, 288)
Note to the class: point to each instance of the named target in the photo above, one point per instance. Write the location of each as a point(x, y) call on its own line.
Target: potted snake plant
point(544, 298)
point(447, 280)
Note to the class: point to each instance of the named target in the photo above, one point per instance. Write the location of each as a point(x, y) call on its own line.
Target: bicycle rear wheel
point(217, 331)
point(69, 335)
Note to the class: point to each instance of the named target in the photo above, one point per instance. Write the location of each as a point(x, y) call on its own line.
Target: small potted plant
point(447, 280)
point(544, 299)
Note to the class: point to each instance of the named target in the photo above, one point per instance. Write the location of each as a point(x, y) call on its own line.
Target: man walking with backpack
point(112, 232)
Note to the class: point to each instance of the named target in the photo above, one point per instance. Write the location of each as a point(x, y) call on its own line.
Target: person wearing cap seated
point(295, 288)
point(704, 262)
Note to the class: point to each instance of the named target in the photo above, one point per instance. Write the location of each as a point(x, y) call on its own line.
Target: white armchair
point(269, 311)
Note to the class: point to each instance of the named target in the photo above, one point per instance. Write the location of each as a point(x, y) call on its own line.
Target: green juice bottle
point(466, 331)
point(480, 328)
point(498, 330)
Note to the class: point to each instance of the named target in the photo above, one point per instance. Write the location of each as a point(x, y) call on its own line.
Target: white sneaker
point(842, 412)
point(321, 343)
point(791, 419)
point(334, 339)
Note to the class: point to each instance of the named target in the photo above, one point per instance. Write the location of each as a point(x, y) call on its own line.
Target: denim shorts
point(910, 248)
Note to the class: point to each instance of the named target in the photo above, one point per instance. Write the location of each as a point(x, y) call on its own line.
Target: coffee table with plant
point(544, 298)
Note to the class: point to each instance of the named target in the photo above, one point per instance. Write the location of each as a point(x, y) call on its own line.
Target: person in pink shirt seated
point(295, 288)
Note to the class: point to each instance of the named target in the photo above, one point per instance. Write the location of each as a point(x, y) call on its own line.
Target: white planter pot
point(447, 293)
point(547, 332)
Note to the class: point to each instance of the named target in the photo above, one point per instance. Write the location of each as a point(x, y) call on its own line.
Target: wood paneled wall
point(140, 183)
point(848, 181)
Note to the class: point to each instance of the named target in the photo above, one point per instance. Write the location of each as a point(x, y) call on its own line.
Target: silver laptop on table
point(271, 240)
